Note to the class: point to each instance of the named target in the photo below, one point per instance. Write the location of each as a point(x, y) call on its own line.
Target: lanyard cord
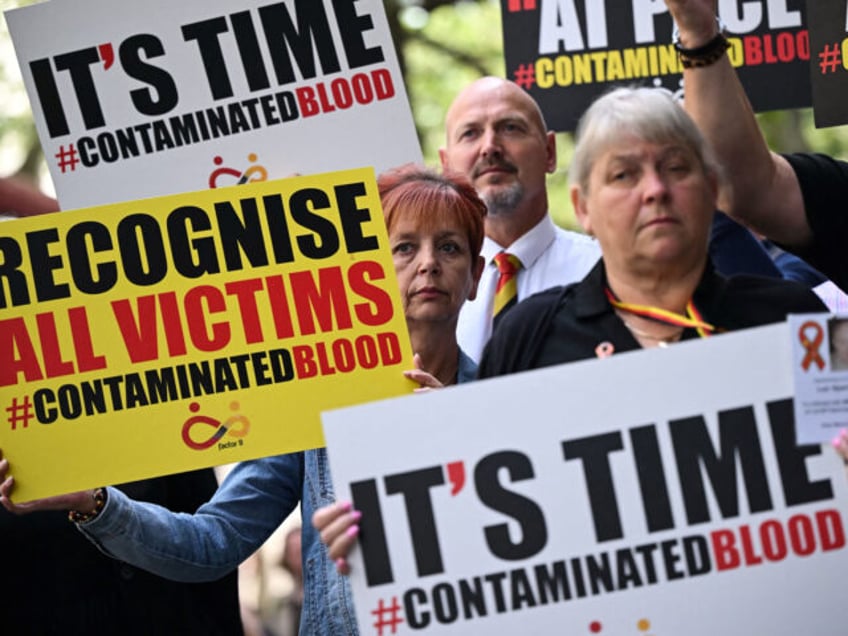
point(692, 318)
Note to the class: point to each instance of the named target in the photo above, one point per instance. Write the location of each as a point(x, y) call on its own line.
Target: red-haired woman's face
point(435, 269)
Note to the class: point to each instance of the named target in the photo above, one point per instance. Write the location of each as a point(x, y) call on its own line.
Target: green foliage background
point(442, 45)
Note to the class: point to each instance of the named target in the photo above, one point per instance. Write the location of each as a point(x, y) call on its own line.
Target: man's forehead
point(492, 106)
point(489, 111)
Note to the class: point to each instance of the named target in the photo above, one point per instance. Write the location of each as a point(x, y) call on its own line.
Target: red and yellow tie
point(506, 292)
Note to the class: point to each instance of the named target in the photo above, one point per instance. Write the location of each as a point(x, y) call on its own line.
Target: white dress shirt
point(549, 255)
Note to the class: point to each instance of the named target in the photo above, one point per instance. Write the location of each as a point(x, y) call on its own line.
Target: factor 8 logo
point(234, 176)
point(236, 426)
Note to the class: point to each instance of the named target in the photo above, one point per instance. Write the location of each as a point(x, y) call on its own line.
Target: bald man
point(496, 136)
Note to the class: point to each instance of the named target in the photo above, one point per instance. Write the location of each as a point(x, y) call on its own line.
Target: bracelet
point(74, 516)
point(705, 55)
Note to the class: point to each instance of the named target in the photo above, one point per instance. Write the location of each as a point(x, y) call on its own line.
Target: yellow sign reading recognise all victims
point(168, 334)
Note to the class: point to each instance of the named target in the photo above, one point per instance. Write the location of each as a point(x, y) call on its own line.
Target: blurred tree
point(441, 45)
point(19, 147)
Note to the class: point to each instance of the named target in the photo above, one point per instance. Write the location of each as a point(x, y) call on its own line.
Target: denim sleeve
point(250, 504)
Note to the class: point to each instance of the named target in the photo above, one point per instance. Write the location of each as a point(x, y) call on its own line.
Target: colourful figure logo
point(643, 625)
point(253, 172)
point(235, 426)
point(811, 335)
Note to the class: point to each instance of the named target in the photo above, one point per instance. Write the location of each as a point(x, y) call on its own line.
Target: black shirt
point(824, 186)
point(566, 324)
point(55, 581)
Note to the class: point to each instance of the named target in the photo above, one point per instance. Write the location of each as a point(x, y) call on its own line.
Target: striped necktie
point(506, 292)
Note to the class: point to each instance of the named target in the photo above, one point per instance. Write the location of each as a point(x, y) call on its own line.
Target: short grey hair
point(649, 114)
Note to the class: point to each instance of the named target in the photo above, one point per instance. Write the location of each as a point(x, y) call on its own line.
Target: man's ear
point(443, 158)
point(476, 273)
point(551, 151)
point(580, 211)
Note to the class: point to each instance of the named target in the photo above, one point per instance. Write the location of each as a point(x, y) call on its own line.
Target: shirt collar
point(590, 299)
point(528, 247)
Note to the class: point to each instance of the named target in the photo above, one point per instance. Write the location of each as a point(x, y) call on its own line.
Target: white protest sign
point(820, 372)
point(651, 493)
point(140, 99)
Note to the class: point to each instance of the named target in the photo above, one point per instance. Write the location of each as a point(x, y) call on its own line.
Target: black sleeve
point(514, 345)
point(752, 301)
point(824, 186)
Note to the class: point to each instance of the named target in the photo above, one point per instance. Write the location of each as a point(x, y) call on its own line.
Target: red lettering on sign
point(200, 302)
point(773, 540)
point(379, 311)
point(87, 360)
point(14, 337)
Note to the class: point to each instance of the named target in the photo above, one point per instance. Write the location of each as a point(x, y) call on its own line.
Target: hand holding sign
point(338, 526)
point(418, 374)
point(840, 443)
point(82, 501)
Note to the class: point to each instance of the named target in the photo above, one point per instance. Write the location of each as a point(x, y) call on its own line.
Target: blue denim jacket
point(251, 503)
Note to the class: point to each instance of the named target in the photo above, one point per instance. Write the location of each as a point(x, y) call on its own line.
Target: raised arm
point(251, 503)
point(764, 191)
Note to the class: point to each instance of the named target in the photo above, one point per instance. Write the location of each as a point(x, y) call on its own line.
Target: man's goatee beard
point(503, 200)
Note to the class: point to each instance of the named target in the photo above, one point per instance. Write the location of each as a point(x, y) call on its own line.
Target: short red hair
point(432, 198)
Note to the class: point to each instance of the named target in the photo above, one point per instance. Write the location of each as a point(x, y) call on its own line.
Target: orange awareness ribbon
point(811, 346)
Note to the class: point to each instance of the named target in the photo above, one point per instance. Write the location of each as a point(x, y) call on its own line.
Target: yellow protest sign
point(173, 333)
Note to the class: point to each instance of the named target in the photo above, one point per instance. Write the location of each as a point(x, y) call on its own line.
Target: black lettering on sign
point(206, 34)
point(325, 240)
point(130, 53)
point(354, 45)
point(78, 64)
point(251, 54)
point(142, 249)
point(43, 265)
point(11, 259)
point(194, 254)
point(694, 451)
point(49, 98)
point(353, 217)
point(309, 37)
point(792, 458)
point(372, 533)
point(91, 278)
point(594, 452)
point(652, 481)
point(415, 487)
point(528, 514)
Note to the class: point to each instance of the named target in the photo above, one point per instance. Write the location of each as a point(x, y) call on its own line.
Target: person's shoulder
point(466, 368)
point(576, 238)
point(575, 251)
point(528, 314)
point(516, 339)
point(543, 299)
point(777, 292)
point(816, 165)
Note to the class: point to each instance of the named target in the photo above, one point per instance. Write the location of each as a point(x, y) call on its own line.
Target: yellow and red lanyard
point(692, 318)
